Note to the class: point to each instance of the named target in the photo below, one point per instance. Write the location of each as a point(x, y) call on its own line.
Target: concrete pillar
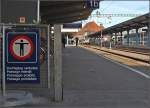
point(128, 37)
point(57, 63)
point(137, 37)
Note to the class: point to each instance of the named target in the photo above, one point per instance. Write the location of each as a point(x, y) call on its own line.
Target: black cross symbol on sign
point(22, 44)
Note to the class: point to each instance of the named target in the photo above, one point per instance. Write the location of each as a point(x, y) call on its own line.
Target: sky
point(139, 7)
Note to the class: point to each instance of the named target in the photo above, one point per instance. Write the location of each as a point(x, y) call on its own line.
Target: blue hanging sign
point(22, 49)
point(72, 25)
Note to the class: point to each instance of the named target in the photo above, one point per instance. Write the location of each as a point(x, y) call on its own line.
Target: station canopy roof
point(63, 11)
point(134, 23)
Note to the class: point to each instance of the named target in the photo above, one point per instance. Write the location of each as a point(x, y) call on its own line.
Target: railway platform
point(93, 81)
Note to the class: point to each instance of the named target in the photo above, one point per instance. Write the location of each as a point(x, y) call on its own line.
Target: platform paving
point(91, 81)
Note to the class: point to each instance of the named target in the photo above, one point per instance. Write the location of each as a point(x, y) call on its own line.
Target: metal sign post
point(38, 11)
point(0, 60)
point(48, 54)
point(3, 74)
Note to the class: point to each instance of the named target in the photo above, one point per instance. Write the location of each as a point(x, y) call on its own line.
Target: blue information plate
point(22, 49)
point(93, 4)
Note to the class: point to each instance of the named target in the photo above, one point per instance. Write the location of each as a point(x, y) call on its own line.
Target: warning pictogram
point(21, 47)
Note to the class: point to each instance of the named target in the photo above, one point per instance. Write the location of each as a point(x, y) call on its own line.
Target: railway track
point(136, 50)
point(123, 55)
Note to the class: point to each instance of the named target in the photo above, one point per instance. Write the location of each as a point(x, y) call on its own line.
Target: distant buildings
point(89, 28)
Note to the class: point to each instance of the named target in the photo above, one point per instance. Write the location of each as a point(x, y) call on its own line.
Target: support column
point(110, 42)
point(111, 39)
point(121, 38)
point(67, 40)
point(148, 34)
point(115, 38)
point(137, 37)
point(128, 38)
point(57, 63)
point(101, 38)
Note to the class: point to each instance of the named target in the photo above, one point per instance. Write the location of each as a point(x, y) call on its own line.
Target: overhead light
point(52, 32)
point(52, 28)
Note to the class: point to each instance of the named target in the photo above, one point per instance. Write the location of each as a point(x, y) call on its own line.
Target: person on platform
point(77, 41)
point(63, 41)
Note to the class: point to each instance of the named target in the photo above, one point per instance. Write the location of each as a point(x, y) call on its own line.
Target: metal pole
point(0, 11)
point(48, 54)
point(137, 37)
point(101, 39)
point(149, 34)
point(1, 37)
point(122, 39)
point(149, 44)
point(128, 37)
point(4, 83)
point(110, 45)
point(38, 11)
point(115, 38)
point(143, 38)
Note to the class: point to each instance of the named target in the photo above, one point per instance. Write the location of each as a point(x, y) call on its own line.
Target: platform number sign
point(22, 56)
point(93, 4)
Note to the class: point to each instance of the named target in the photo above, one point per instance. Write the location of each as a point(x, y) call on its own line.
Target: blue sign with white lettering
point(72, 25)
point(93, 4)
point(22, 49)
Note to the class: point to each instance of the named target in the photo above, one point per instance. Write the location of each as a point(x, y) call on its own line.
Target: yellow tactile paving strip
point(120, 59)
